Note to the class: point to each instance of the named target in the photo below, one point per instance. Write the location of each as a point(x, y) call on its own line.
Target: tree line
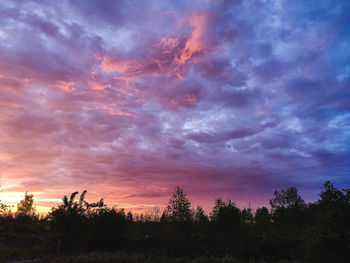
point(290, 230)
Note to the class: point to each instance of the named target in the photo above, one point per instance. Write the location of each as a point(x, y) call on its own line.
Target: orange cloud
point(113, 111)
point(122, 66)
point(120, 113)
point(195, 44)
point(168, 57)
point(6, 157)
point(65, 85)
point(96, 85)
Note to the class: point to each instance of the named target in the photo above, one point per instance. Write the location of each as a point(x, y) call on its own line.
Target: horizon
point(128, 99)
point(147, 209)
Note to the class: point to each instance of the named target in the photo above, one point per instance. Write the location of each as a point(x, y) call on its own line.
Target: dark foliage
point(79, 225)
point(179, 208)
point(291, 230)
point(329, 233)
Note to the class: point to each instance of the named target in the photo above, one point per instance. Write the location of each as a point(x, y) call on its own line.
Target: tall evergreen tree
point(179, 208)
point(200, 216)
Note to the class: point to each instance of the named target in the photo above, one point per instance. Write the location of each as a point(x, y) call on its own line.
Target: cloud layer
point(128, 99)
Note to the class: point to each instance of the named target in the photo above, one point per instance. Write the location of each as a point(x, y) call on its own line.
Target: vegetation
point(25, 208)
point(80, 231)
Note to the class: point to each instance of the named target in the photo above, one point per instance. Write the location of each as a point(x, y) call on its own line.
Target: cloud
point(128, 100)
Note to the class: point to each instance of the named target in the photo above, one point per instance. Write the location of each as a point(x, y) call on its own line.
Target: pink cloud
point(199, 95)
point(168, 57)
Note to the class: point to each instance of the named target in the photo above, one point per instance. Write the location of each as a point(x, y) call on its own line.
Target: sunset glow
point(128, 99)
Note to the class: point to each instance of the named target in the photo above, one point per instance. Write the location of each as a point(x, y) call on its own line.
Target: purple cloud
point(129, 99)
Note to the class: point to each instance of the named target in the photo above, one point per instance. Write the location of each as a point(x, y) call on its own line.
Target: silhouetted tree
point(247, 215)
point(106, 227)
point(70, 220)
point(286, 199)
point(329, 235)
point(179, 208)
point(262, 220)
point(3, 208)
point(288, 210)
point(129, 217)
point(247, 219)
point(218, 204)
point(226, 216)
point(262, 216)
point(25, 208)
point(200, 216)
point(164, 217)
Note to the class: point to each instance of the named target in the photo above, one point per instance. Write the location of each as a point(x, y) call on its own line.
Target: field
point(109, 257)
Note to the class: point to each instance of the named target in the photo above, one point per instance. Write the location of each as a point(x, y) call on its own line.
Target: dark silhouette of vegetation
point(80, 225)
point(179, 208)
point(199, 215)
point(288, 211)
point(262, 220)
point(226, 216)
point(3, 208)
point(291, 230)
point(329, 232)
point(26, 208)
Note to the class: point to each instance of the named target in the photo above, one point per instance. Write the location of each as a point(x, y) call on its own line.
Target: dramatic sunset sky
point(129, 99)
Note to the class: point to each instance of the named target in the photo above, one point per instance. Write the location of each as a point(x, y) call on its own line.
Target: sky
point(128, 99)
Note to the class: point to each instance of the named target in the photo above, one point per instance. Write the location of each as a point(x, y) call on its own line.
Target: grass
point(8, 255)
point(123, 258)
point(117, 257)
